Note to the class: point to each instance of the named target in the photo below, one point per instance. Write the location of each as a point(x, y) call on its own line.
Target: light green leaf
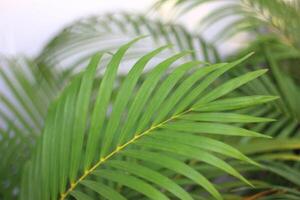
point(132, 182)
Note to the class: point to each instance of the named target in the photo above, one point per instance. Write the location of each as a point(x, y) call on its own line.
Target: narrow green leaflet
point(211, 128)
point(132, 182)
point(103, 190)
point(102, 101)
point(80, 196)
point(234, 103)
point(152, 176)
point(224, 118)
point(80, 118)
point(174, 165)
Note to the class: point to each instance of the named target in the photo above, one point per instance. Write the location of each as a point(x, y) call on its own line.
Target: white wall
point(25, 25)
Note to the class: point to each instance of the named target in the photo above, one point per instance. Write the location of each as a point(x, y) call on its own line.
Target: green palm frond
point(167, 131)
point(132, 145)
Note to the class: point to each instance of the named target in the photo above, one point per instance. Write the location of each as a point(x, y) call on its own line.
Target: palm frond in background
point(26, 92)
point(76, 43)
point(279, 17)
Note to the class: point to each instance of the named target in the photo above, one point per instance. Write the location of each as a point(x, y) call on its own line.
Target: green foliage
point(166, 126)
point(26, 92)
point(111, 147)
point(274, 27)
point(279, 17)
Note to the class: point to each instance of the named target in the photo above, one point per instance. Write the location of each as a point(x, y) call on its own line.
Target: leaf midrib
point(116, 151)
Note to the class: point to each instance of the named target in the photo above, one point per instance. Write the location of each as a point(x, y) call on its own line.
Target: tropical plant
point(165, 131)
point(93, 144)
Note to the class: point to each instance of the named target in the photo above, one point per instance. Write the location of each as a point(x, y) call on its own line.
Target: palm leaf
point(82, 153)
